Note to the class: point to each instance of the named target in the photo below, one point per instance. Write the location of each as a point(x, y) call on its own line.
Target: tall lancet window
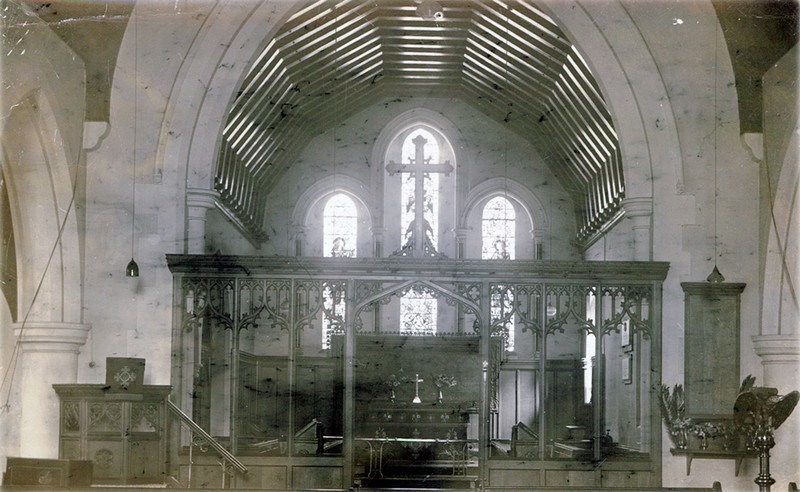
point(498, 243)
point(497, 230)
point(430, 187)
point(339, 237)
point(340, 222)
point(418, 308)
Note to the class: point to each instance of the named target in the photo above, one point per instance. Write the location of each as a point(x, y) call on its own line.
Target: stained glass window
point(431, 186)
point(498, 239)
point(340, 227)
point(497, 230)
point(418, 313)
point(333, 311)
point(418, 309)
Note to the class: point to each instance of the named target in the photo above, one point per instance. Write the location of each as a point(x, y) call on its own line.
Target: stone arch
point(630, 103)
point(231, 36)
point(531, 205)
point(204, 89)
point(38, 172)
point(782, 263)
point(326, 187)
point(320, 191)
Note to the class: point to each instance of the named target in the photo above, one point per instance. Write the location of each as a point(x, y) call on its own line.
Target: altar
point(416, 404)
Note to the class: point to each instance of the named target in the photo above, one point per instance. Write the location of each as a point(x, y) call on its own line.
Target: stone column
point(299, 240)
point(377, 241)
point(538, 242)
point(48, 354)
point(640, 211)
point(461, 242)
point(198, 201)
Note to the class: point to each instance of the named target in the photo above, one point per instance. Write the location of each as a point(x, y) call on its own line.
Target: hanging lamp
point(132, 270)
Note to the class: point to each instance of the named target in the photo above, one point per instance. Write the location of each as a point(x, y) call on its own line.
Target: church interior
point(503, 245)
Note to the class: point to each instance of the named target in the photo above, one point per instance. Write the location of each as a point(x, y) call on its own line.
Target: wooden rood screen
point(310, 358)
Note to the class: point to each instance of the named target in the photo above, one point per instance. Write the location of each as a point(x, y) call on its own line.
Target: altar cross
point(419, 166)
point(417, 380)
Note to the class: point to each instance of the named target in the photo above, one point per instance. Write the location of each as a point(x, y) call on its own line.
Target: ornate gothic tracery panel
point(557, 396)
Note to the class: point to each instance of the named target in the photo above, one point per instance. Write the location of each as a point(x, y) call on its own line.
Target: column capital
point(201, 197)
point(461, 232)
point(638, 206)
point(777, 349)
point(51, 336)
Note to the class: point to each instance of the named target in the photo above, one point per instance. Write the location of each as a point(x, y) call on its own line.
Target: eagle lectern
point(758, 411)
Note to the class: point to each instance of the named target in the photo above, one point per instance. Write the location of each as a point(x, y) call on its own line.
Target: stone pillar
point(48, 354)
point(461, 242)
point(538, 242)
point(299, 240)
point(377, 241)
point(640, 211)
point(198, 201)
point(780, 358)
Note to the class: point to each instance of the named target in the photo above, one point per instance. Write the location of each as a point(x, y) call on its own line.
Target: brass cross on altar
point(419, 166)
point(417, 380)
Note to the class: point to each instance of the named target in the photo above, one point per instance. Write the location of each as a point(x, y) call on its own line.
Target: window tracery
point(498, 222)
point(340, 223)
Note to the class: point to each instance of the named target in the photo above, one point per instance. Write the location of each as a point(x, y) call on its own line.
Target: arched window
point(339, 236)
point(497, 230)
point(429, 194)
point(418, 308)
point(498, 223)
point(340, 223)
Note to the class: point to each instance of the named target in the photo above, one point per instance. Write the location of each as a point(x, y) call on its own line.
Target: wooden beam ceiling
point(507, 59)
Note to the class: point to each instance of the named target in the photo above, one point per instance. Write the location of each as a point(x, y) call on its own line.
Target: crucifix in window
point(419, 232)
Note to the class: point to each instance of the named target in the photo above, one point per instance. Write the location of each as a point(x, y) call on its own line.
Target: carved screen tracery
point(258, 322)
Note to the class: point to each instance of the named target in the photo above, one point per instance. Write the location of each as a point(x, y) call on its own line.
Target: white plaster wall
point(9, 420)
point(139, 322)
point(780, 235)
point(480, 153)
point(780, 241)
point(687, 210)
point(41, 114)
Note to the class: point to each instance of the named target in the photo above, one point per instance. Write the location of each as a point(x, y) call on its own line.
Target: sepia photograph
point(409, 245)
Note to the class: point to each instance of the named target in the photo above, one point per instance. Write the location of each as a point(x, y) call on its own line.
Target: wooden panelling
point(514, 478)
point(316, 477)
point(570, 478)
point(264, 478)
point(629, 479)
